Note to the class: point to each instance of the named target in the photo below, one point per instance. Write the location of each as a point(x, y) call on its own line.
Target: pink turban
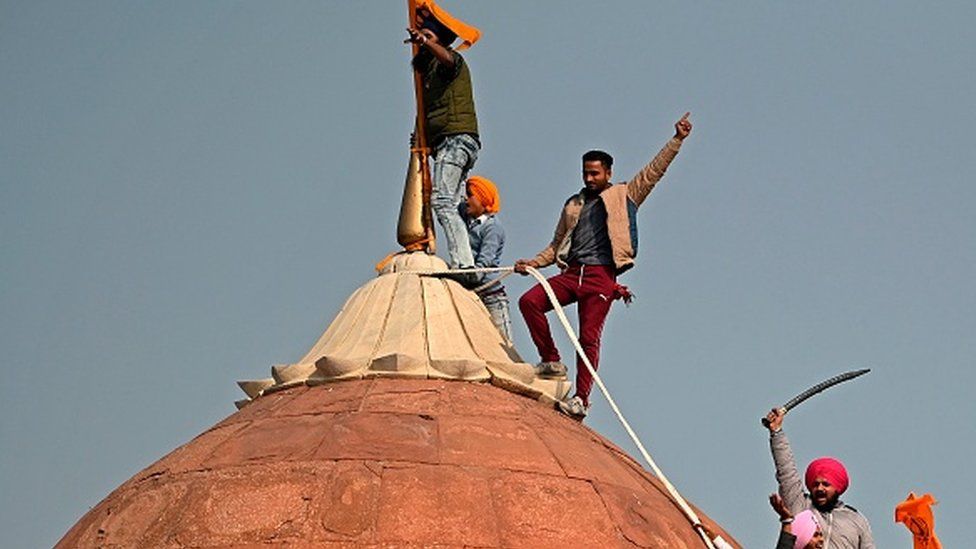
point(830, 469)
point(804, 527)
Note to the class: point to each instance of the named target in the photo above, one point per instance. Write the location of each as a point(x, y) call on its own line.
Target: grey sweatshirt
point(843, 527)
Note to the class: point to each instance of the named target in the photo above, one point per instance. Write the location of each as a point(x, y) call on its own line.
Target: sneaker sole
point(566, 413)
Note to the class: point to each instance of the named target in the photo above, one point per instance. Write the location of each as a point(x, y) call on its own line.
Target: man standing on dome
point(595, 241)
point(487, 238)
point(826, 479)
point(451, 129)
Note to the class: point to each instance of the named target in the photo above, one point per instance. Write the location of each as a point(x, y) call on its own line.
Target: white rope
point(491, 282)
point(682, 504)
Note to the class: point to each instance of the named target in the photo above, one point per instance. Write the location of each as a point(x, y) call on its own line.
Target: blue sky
point(190, 190)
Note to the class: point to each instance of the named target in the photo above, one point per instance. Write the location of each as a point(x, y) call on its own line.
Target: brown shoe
point(551, 370)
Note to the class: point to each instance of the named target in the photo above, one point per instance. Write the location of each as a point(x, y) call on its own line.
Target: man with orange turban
point(487, 239)
point(825, 479)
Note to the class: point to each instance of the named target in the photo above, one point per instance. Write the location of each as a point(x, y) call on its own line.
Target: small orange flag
point(916, 514)
point(468, 34)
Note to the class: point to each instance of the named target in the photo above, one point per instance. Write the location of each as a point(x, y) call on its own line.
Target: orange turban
point(486, 192)
point(468, 34)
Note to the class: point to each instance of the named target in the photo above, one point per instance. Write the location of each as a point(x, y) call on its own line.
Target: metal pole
point(420, 136)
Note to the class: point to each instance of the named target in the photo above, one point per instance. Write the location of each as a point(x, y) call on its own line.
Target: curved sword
point(818, 388)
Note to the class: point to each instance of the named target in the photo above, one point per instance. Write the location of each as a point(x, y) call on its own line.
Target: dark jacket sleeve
point(786, 540)
point(448, 72)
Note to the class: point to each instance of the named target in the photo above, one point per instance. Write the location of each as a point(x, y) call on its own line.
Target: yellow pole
point(420, 141)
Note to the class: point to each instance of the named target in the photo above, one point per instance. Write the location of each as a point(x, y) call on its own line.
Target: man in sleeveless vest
point(594, 242)
point(451, 128)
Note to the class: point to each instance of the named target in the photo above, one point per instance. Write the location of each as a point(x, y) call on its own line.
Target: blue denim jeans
point(497, 305)
point(453, 157)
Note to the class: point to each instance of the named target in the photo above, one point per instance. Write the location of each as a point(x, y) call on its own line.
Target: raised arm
point(643, 183)
point(427, 39)
point(786, 538)
point(787, 476)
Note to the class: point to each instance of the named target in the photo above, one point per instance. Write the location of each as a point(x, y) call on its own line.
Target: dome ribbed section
point(404, 323)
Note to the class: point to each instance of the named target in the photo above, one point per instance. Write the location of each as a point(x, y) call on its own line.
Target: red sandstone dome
point(391, 463)
point(411, 422)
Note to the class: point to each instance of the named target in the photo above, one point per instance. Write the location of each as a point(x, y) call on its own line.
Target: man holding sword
point(826, 479)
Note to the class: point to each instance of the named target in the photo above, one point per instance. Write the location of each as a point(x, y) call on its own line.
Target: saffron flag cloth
point(468, 34)
point(916, 514)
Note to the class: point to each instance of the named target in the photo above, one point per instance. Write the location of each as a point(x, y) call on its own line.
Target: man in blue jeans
point(452, 131)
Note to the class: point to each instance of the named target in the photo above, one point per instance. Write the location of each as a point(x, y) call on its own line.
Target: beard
point(826, 505)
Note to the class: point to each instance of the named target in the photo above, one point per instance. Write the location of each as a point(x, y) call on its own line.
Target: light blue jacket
point(487, 238)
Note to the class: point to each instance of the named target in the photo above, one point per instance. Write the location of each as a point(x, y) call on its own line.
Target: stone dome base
point(391, 463)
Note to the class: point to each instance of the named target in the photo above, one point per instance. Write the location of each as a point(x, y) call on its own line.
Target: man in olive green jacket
point(451, 128)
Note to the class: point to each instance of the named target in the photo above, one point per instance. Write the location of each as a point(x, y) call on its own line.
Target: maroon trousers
point(593, 288)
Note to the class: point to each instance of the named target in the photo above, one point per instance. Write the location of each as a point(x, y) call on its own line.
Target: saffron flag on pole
point(467, 33)
point(916, 514)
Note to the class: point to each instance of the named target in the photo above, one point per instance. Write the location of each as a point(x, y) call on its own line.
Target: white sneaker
point(573, 408)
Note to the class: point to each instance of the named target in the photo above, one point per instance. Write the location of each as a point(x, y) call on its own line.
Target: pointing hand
point(682, 128)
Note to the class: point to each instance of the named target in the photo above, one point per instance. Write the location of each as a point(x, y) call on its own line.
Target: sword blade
point(819, 388)
point(823, 386)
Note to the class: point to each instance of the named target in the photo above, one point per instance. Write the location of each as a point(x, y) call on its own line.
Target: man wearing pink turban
point(800, 532)
point(825, 480)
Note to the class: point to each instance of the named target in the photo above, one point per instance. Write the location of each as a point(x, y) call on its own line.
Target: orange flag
point(468, 34)
point(916, 514)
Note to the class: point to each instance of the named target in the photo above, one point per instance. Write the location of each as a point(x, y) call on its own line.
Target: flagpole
point(420, 139)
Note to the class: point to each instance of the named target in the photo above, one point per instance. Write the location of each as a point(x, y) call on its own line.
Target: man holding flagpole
point(450, 123)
